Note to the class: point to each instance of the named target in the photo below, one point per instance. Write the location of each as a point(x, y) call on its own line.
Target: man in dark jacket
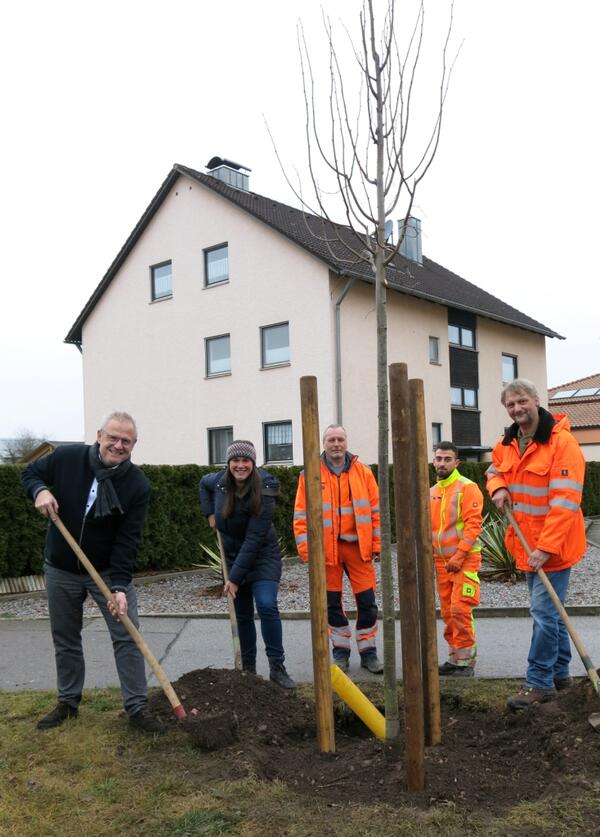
point(102, 499)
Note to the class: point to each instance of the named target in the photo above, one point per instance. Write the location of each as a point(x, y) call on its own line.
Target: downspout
point(338, 347)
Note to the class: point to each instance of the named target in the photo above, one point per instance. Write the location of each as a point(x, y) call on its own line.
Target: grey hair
point(120, 416)
point(332, 427)
point(519, 385)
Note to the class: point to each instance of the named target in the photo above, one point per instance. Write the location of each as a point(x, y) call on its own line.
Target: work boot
point(372, 664)
point(62, 712)
point(527, 696)
point(446, 668)
point(342, 662)
point(144, 722)
point(249, 667)
point(561, 683)
point(279, 675)
point(462, 671)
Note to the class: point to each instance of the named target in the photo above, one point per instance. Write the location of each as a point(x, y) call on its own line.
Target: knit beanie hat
point(241, 448)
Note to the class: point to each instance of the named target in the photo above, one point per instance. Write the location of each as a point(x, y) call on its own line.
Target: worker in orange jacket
point(352, 541)
point(456, 508)
point(538, 469)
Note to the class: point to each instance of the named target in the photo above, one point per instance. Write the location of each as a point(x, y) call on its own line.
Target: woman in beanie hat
point(240, 503)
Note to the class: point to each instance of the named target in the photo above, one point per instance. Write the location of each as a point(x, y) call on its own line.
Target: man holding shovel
point(538, 470)
point(102, 499)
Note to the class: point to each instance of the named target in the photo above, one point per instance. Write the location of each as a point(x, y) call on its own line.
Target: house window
point(218, 355)
point(219, 439)
point(463, 397)
point(436, 434)
point(216, 264)
point(461, 336)
point(509, 368)
point(161, 280)
point(434, 350)
point(278, 441)
point(274, 344)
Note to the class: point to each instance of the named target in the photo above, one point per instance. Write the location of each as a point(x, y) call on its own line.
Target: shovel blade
point(594, 721)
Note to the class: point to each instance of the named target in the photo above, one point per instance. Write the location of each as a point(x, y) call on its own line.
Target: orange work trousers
point(459, 593)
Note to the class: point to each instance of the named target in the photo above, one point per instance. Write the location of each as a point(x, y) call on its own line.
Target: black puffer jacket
point(249, 541)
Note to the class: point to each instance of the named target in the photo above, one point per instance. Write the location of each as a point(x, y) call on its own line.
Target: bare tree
point(15, 449)
point(372, 159)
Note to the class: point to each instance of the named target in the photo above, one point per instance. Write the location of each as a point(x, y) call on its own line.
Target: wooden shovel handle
point(577, 642)
point(237, 651)
point(162, 678)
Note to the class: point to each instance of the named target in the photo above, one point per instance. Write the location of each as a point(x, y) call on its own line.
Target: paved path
point(183, 644)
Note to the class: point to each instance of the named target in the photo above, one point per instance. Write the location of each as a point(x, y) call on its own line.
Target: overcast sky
point(100, 99)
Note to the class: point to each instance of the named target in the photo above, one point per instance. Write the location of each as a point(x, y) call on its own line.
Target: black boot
point(62, 712)
point(249, 667)
point(279, 675)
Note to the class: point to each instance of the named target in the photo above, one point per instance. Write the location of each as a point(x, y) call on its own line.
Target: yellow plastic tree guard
point(358, 702)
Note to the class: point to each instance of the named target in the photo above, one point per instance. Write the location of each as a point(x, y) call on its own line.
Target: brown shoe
point(527, 696)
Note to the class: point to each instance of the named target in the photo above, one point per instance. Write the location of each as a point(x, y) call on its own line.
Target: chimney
point(411, 243)
point(229, 172)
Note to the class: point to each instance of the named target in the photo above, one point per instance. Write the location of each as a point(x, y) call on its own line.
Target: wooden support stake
point(407, 577)
point(425, 567)
point(316, 564)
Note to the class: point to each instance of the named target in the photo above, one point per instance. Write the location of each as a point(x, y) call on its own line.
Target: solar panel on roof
point(564, 393)
point(587, 391)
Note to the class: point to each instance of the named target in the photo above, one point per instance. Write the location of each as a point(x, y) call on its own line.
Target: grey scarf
point(107, 501)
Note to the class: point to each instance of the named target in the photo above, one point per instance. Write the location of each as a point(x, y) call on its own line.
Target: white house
point(221, 299)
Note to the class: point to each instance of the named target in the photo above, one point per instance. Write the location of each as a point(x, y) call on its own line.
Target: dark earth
point(488, 759)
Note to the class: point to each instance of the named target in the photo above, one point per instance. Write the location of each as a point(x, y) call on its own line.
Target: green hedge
point(175, 527)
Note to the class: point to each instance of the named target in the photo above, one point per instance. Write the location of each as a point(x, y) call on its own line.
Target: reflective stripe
point(340, 637)
point(326, 506)
point(349, 538)
point(301, 538)
point(363, 518)
point(563, 503)
point(376, 532)
point(493, 470)
point(327, 524)
point(374, 509)
point(299, 515)
point(361, 503)
point(346, 510)
point(532, 490)
point(535, 511)
point(576, 486)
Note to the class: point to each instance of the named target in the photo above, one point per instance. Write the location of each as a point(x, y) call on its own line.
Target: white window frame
point(513, 358)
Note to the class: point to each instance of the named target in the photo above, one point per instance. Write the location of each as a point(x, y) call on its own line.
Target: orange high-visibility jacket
point(350, 511)
point(545, 486)
point(456, 505)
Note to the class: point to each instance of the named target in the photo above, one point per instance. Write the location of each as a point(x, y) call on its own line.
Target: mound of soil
point(488, 760)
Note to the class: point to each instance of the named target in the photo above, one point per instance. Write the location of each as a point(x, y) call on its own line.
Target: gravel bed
point(198, 592)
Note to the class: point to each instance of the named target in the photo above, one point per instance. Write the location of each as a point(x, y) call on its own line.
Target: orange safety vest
point(456, 505)
point(350, 504)
point(545, 485)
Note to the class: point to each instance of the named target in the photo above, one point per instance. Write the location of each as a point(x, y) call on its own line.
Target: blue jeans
point(264, 595)
point(66, 595)
point(550, 649)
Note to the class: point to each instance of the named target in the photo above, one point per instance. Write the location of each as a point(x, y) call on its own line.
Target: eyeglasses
point(125, 441)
